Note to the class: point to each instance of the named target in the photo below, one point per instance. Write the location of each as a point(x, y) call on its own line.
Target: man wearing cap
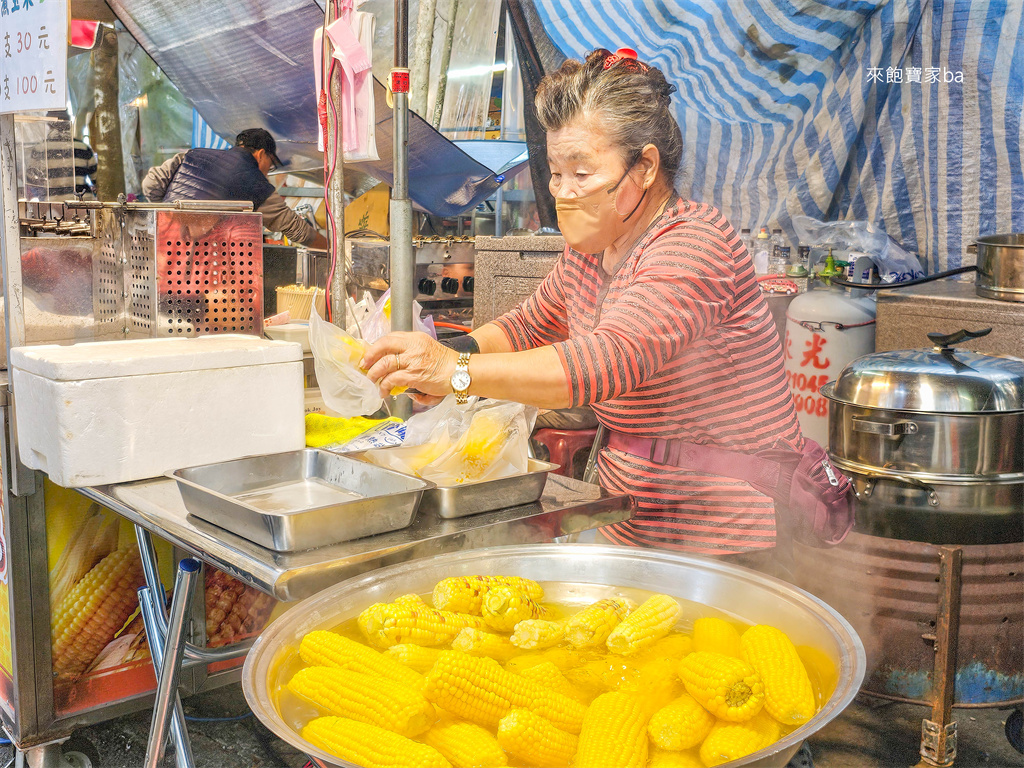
point(239, 173)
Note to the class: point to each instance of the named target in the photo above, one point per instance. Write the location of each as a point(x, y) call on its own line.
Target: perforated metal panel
point(108, 276)
point(141, 273)
point(209, 273)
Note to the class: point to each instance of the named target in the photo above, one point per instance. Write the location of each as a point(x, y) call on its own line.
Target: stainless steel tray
point(451, 501)
point(301, 499)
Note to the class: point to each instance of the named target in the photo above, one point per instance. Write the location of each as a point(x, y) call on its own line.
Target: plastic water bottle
point(761, 252)
point(778, 262)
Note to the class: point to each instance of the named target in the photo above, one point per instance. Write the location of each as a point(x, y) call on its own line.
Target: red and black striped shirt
point(684, 347)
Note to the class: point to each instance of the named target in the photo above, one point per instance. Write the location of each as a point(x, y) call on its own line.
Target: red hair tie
point(627, 55)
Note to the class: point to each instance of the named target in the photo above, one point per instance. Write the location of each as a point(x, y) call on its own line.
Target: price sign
point(33, 55)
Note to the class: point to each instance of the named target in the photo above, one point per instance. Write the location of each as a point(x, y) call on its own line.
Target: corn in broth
point(462, 708)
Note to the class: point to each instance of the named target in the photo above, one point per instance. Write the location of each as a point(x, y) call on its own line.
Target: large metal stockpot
point(934, 442)
point(1001, 267)
point(589, 572)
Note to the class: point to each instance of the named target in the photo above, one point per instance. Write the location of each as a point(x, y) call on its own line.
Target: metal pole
point(336, 188)
point(421, 57)
point(446, 58)
point(403, 262)
point(170, 668)
point(179, 730)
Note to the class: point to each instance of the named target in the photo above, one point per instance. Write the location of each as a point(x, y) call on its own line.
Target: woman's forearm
point(533, 376)
point(491, 339)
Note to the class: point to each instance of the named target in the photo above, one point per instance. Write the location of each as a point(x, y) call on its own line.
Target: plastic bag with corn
point(453, 444)
point(336, 354)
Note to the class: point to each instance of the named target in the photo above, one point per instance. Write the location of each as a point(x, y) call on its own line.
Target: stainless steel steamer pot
point(1001, 267)
point(593, 571)
point(934, 442)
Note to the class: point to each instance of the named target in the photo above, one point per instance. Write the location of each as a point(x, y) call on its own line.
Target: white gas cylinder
point(825, 330)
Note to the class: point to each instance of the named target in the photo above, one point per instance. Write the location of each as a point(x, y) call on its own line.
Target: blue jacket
point(219, 174)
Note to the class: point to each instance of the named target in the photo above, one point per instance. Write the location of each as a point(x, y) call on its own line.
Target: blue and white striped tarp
point(903, 112)
point(203, 135)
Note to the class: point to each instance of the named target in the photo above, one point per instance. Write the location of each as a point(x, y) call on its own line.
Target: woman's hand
point(412, 360)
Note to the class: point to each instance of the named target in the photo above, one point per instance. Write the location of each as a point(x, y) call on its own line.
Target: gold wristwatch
point(461, 379)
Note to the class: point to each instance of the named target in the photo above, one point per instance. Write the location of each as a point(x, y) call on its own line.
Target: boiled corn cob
point(668, 758)
point(464, 594)
point(681, 725)
point(415, 657)
point(410, 599)
point(602, 675)
point(480, 691)
point(717, 636)
point(94, 610)
point(503, 607)
point(788, 694)
point(656, 682)
point(731, 741)
point(328, 649)
point(645, 626)
point(591, 626)
point(476, 642)
point(727, 687)
point(387, 624)
point(535, 634)
point(535, 741)
point(547, 674)
point(614, 733)
point(368, 699)
point(563, 658)
point(465, 745)
point(369, 745)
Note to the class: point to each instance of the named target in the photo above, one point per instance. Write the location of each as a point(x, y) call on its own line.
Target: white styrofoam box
point(297, 332)
point(111, 412)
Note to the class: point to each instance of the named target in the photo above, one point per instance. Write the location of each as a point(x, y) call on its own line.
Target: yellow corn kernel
point(93, 611)
point(369, 745)
point(717, 636)
point(535, 741)
point(410, 599)
point(365, 698)
point(591, 626)
point(656, 682)
point(535, 634)
point(614, 733)
point(673, 646)
point(731, 741)
point(387, 624)
point(727, 687)
point(601, 675)
point(465, 745)
point(415, 657)
point(480, 691)
point(327, 649)
point(668, 758)
point(503, 607)
point(464, 594)
point(681, 725)
point(645, 626)
point(788, 694)
point(476, 642)
point(547, 674)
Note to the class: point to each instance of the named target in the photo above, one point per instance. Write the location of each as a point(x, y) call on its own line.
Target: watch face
point(460, 381)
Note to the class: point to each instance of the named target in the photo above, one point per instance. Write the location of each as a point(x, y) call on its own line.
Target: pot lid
point(937, 380)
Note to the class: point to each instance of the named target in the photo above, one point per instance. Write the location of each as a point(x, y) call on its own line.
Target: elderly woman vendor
point(652, 315)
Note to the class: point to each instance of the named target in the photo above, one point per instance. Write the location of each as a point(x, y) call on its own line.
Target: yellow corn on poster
point(98, 643)
point(6, 662)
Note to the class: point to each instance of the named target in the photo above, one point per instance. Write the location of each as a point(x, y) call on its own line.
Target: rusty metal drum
point(888, 589)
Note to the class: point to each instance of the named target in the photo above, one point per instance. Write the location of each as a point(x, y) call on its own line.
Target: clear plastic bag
point(455, 444)
point(895, 265)
point(336, 354)
point(378, 323)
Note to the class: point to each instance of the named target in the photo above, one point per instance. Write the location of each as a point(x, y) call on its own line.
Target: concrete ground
point(869, 733)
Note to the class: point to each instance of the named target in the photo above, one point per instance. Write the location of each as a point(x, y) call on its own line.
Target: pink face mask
point(589, 224)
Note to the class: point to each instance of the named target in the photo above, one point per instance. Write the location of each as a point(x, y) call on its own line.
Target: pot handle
point(885, 428)
point(873, 477)
point(946, 340)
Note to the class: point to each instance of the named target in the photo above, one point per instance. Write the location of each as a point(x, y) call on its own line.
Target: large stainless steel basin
point(745, 594)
